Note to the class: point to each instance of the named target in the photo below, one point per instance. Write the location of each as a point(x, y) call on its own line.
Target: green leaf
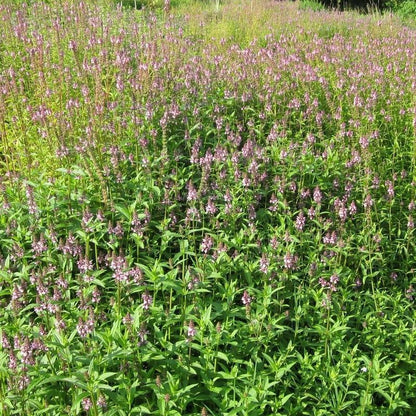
point(106, 375)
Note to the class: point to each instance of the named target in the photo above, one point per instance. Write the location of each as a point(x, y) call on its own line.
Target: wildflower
point(33, 208)
point(86, 219)
point(12, 361)
point(192, 193)
point(311, 213)
point(305, 193)
point(390, 189)
point(290, 261)
point(323, 282)
point(118, 265)
point(5, 341)
point(264, 264)
point(117, 230)
point(101, 402)
point(333, 281)
point(23, 382)
point(84, 328)
point(352, 208)
point(194, 282)
point(96, 295)
point(274, 243)
point(39, 246)
point(326, 301)
point(410, 292)
point(59, 322)
point(300, 221)
point(191, 331)
point(84, 265)
point(147, 300)
point(246, 299)
point(210, 207)
point(142, 335)
point(71, 246)
point(86, 403)
point(368, 202)
point(251, 212)
point(137, 275)
point(317, 195)
point(127, 320)
point(192, 214)
point(330, 238)
point(342, 213)
point(364, 142)
point(207, 244)
point(273, 201)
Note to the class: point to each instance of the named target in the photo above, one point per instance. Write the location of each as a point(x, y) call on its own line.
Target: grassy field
point(208, 210)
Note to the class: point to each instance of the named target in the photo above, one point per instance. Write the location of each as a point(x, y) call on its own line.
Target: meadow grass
point(206, 211)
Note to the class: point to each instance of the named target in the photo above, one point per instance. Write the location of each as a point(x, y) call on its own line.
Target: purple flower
point(330, 238)
point(191, 331)
point(96, 295)
point(5, 341)
point(290, 260)
point(210, 208)
point(368, 202)
point(147, 300)
point(128, 320)
point(33, 208)
point(207, 244)
point(192, 193)
point(300, 221)
point(352, 208)
point(317, 195)
point(101, 402)
point(273, 201)
point(311, 213)
point(71, 246)
point(23, 382)
point(86, 327)
point(246, 299)
point(86, 403)
point(137, 275)
point(118, 265)
point(117, 230)
point(264, 264)
point(85, 265)
point(364, 142)
point(86, 219)
point(136, 225)
point(39, 246)
point(142, 336)
point(342, 212)
point(390, 189)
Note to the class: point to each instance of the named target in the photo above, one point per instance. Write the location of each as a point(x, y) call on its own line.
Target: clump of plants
point(196, 225)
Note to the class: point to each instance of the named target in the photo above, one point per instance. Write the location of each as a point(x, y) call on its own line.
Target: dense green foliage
point(209, 212)
point(404, 8)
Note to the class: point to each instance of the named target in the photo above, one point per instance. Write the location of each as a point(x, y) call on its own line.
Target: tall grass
point(206, 212)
